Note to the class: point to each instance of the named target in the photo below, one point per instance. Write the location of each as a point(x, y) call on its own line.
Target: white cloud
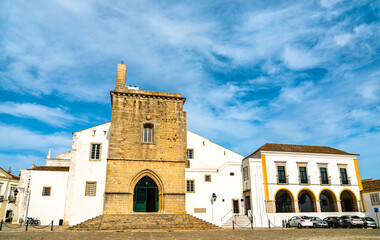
point(20, 161)
point(329, 3)
point(291, 95)
point(53, 116)
point(297, 59)
point(18, 138)
point(343, 39)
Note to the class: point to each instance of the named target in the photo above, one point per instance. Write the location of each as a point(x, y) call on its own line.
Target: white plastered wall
point(78, 206)
point(370, 208)
point(47, 208)
point(220, 163)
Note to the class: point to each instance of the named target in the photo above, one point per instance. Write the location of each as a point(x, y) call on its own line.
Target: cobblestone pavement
point(206, 234)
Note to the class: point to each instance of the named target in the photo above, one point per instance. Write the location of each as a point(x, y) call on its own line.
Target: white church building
point(275, 182)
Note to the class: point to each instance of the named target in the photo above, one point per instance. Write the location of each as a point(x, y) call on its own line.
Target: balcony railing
point(346, 182)
point(325, 181)
point(282, 180)
point(304, 180)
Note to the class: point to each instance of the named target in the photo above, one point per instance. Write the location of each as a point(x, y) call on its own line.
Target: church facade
point(145, 160)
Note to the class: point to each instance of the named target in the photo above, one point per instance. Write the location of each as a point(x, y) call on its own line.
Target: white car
point(300, 222)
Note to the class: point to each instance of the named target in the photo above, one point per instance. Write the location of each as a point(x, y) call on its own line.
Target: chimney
point(121, 76)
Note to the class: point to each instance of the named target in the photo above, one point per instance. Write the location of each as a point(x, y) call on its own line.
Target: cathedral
point(146, 162)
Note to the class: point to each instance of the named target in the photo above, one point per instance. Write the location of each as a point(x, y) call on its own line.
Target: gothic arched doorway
point(145, 196)
point(306, 201)
point(327, 201)
point(284, 201)
point(348, 201)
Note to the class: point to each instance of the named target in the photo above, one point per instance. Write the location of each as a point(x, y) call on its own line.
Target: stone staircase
point(147, 221)
point(240, 221)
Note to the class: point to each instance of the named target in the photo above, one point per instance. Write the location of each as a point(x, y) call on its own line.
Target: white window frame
point(190, 153)
point(373, 196)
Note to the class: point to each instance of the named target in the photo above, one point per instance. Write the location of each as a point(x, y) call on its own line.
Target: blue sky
point(297, 72)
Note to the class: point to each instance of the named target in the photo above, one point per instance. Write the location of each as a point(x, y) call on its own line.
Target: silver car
point(369, 222)
point(319, 223)
point(300, 222)
point(353, 221)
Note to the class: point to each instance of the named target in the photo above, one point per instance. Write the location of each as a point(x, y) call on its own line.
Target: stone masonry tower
point(147, 151)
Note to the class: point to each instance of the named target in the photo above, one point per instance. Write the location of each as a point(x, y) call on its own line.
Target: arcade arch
point(284, 201)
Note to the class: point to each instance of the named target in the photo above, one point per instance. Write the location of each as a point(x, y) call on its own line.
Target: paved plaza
point(193, 235)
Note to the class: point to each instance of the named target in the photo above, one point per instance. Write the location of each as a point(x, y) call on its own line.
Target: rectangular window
point(245, 173)
point(343, 175)
point(46, 191)
point(281, 174)
point(147, 133)
point(190, 154)
point(90, 189)
point(207, 178)
point(190, 186)
point(375, 199)
point(95, 151)
point(303, 175)
point(324, 178)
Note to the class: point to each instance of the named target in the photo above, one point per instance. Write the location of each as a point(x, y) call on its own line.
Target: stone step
point(240, 221)
point(143, 221)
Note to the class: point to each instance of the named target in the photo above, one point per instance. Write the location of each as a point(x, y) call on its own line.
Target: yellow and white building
point(8, 186)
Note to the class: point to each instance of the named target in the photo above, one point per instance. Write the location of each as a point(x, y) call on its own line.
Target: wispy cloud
point(52, 116)
point(19, 138)
point(292, 72)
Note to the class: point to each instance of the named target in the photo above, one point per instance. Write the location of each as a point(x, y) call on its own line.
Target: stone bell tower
point(147, 151)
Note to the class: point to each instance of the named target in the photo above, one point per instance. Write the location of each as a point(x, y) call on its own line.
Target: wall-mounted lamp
point(213, 197)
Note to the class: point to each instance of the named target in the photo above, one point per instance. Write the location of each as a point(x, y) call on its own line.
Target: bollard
point(233, 224)
point(1, 225)
point(26, 226)
point(52, 223)
point(251, 223)
point(269, 223)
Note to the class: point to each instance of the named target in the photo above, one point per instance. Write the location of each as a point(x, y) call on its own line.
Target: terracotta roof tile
point(300, 148)
point(369, 185)
point(50, 168)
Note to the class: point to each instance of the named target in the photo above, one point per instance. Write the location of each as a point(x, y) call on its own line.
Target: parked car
point(353, 221)
point(369, 222)
point(319, 223)
point(300, 222)
point(336, 222)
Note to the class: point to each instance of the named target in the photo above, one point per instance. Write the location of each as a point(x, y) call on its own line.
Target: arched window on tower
point(147, 133)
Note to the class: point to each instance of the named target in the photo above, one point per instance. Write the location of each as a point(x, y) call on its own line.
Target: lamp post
point(27, 208)
point(213, 199)
point(15, 192)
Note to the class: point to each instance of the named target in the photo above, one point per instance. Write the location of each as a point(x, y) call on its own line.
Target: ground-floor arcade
point(326, 200)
